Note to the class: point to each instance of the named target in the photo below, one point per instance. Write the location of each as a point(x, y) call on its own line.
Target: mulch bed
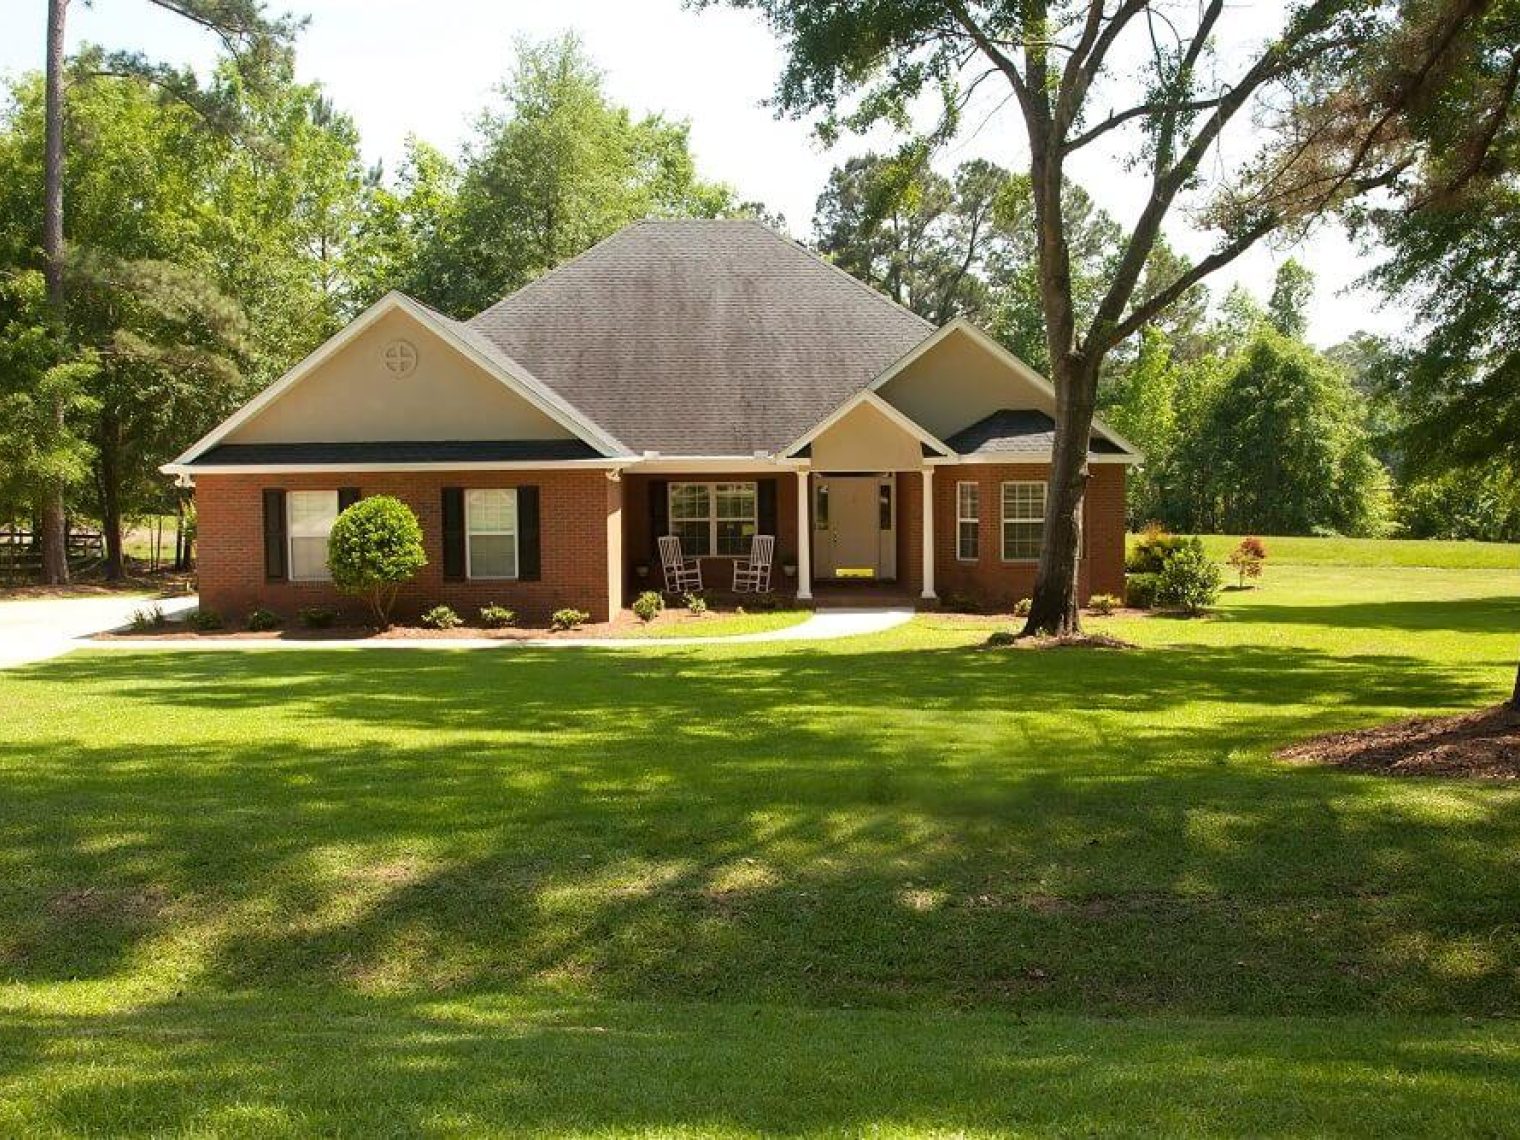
point(1483, 745)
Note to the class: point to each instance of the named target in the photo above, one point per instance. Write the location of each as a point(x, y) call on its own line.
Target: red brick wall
point(991, 580)
point(573, 510)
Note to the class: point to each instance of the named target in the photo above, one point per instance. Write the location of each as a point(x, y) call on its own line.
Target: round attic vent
point(399, 358)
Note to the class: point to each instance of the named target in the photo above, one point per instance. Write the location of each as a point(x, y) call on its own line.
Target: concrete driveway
point(34, 629)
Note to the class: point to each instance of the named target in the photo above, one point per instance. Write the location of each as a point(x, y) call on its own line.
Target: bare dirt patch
point(1482, 745)
point(100, 903)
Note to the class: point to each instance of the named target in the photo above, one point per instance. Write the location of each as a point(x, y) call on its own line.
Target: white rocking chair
point(754, 573)
point(681, 574)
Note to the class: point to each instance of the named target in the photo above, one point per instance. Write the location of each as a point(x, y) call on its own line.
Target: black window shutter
point(529, 548)
point(274, 535)
point(453, 534)
point(659, 513)
point(766, 506)
point(347, 497)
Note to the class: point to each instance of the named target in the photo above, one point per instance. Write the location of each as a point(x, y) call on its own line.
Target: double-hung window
point(490, 519)
point(714, 518)
point(309, 516)
point(1023, 521)
point(968, 521)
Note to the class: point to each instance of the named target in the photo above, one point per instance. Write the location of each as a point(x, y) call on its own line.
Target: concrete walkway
point(47, 640)
point(34, 629)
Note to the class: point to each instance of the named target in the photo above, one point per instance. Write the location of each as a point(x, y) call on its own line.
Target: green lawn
point(1377, 552)
point(726, 624)
point(892, 885)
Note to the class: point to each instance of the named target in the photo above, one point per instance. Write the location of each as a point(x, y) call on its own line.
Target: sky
point(403, 67)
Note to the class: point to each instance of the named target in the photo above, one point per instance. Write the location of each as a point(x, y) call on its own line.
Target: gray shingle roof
point(424, 451)
point(1008, 432)
point(697, 337)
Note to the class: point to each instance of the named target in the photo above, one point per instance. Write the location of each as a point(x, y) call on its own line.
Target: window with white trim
point(1023, 521)
point(309, 516)
point(490, 526)
point(968, 521)
point(714, 518)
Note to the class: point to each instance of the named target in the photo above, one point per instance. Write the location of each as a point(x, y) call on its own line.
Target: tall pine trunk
point(110, 505)
point(54, 521)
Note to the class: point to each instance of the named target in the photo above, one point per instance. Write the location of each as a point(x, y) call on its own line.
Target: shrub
point(1001, 637)
point(960, 604)
point(318, 617)
point(1248, 558)
point(696, 605)
point(375, 546)
point(568, 618)
point(1151, 550)
point(261, 620)
point(497, 617)
point(146, 618)
point(441, 617)
point(1022, 607)
point(205, 621)
point(1190, 580)
point(1140, 589)
point(1103, 604)
point(648, 605)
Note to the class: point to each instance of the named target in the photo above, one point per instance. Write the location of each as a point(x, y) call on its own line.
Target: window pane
point(493, 556)
point(311, 513)
point(1024, 501)
point(969, 540)
point(734, 537)
point(736, 500)
point(491, 512)
point(1021, 540)
point(308, 559)
point(694, 536)
point(821, 509)
point(690, 501)
point(968, 501)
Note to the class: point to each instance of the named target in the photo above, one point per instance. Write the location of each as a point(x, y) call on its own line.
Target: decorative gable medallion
point(400, 358)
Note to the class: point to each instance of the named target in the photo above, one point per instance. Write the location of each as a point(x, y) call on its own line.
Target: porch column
point(804, 540)
point(929, 594)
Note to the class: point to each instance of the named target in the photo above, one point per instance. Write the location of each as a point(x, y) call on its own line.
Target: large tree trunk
point(1055, 609)
point(55, 555)
point(110, 510)
point(1514, 700)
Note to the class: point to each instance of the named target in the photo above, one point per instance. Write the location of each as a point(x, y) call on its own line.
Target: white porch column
point(804, 540)
point(929, 594)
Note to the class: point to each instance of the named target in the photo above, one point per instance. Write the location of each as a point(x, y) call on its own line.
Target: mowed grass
point(724, 624)
point(1451, 555)
point(896, 885)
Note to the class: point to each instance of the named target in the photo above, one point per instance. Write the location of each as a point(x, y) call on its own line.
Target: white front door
point(855, 526)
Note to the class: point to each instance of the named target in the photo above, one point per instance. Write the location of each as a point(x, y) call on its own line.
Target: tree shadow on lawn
point(1499, 614)
point(1105, 834)
point(404, 1066)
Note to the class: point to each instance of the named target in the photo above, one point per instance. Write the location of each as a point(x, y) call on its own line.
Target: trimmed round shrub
point(1151, 548)
point(1001, 637)
point(568, 618)
point(374, 548)
point(1103, 604)
point(205, 621)
point(1022, 607)
point(318, 617)
point(441, 617)
point(648, 605)
point(1190, 580)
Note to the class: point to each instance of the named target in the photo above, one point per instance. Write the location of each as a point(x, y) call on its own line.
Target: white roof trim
point(521, 382)
point(962, 325)
point(340, 468)
point(865, 398)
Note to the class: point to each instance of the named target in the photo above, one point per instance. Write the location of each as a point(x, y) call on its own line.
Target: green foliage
point(1292, 293)
point(1001, 638)
point(648, 605)
point(1477, 502)
point(1149, 550)
point(1022, 607)
point(205, 621)
point(555, 167)
point(374, 548)
point(696, 605)
point(440, 617)
point(497, 617)
point(147, 618)
point(1104, 604)
point(1189, 580)
point(317, 617)
point(568, 618)
point(1140, 589)
point(1279, 448)
point(262, 620)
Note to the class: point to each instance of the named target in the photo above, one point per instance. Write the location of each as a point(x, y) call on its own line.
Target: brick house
point(707, 379)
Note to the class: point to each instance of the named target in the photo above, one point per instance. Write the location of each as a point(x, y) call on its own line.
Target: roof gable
point(697, 337)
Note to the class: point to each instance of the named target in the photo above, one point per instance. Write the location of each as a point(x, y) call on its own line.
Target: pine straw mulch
point(1482, 745)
